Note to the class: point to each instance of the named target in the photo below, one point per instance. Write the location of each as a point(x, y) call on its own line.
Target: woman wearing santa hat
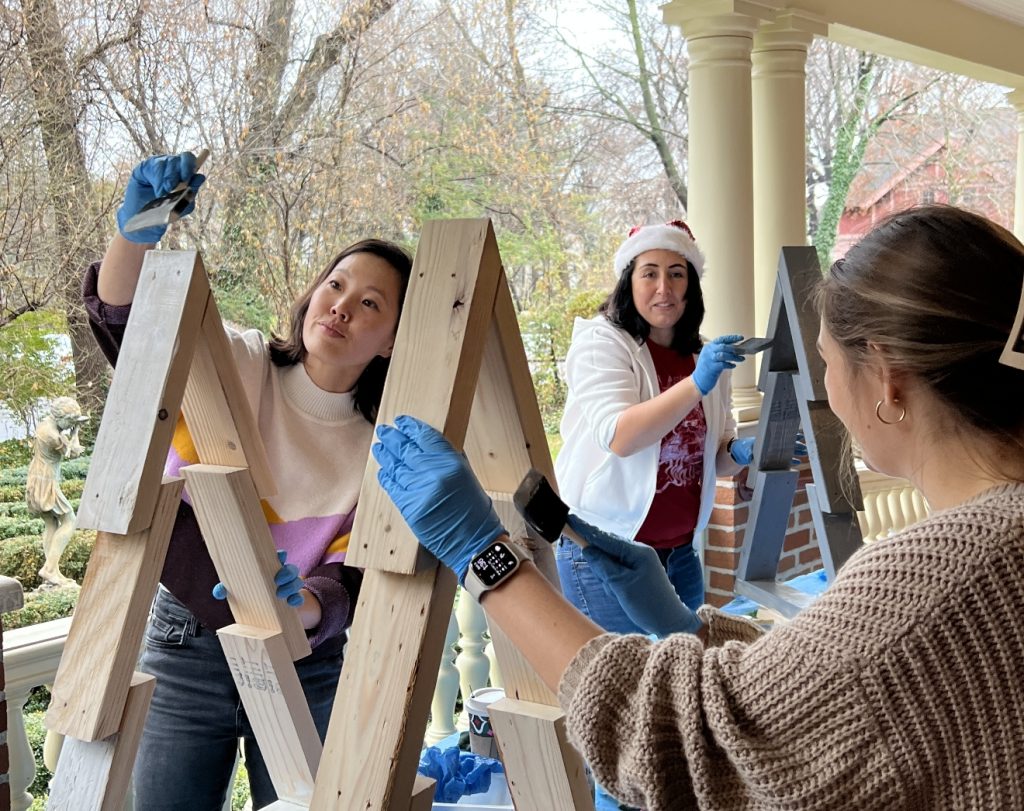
point(648, 420)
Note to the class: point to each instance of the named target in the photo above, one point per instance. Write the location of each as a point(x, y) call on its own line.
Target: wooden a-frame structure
point(459, 364)
point(793, 381)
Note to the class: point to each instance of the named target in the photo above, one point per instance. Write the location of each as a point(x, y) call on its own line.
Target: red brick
point(721, 560)
point(724, 538)
point(811, 555)
point(786, 563)
point(730, 516)
point(718, 600)
point(722, 581)
point(5, 795)
point(796, 539)
point(5, 759)
point(800, 498)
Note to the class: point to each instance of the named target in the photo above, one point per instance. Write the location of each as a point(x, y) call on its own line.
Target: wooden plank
point(787, 600)
point(506, 433)
point(276, 708)
point(777, 429)
point(94, 776)
point(242, 549)
point(536, 752)
point(766, 524)
point(1013, 352)
point(394, 652)
point(145, 394)
point(217, 411)
point(828, 448)
point(92, 681)
point(284, 805)
point(838, 534)
point(433, 371)
point(423, 793)
point(799, 274)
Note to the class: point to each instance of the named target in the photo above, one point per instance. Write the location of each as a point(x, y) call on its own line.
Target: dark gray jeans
point(196, 718)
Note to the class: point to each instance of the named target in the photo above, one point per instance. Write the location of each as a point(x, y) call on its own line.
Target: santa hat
point(672, 236)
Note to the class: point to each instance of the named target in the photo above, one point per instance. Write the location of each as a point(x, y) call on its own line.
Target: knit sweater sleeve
point(896, 689)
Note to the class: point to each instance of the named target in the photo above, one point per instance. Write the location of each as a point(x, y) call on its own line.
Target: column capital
point(708, 18)
point(790, 30)
point(1016, 99)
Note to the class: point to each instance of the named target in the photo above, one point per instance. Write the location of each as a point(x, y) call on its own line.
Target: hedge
point(69, 470)
point(43, 606)
point(22, 558)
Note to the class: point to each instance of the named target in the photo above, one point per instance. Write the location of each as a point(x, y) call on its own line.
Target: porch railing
point(31, 654)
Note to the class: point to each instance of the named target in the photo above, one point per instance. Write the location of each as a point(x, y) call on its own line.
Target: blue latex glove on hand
point(715, 358)
point(153, 178)
point(436, 492)
point(633, 574)
point(287, 580)
point(742, 450)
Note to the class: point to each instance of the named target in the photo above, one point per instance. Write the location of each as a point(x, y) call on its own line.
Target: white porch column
point(1016, 98)
point(721, 208)
point(780, 174)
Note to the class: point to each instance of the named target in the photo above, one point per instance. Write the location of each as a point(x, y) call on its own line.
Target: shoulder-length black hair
point(620, 309)
point(289, 349)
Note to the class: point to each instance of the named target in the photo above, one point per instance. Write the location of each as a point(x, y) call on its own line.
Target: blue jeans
point(191, 735)
point(584, 590)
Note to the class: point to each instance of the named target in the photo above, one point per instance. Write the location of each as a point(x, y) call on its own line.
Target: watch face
point(494, 563)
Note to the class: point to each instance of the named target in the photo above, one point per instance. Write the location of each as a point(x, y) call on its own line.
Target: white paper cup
point(481, 737)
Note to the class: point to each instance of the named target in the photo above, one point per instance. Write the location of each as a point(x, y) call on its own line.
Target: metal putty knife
point(165, 210)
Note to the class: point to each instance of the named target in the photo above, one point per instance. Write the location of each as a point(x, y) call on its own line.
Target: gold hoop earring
point(878, 414)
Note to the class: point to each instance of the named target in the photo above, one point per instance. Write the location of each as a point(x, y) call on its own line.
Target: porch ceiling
point(983, 39)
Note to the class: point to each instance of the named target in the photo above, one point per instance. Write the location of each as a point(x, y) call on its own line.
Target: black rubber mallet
point(544, 512)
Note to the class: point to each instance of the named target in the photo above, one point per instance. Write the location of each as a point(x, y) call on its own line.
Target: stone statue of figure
point(56, 440)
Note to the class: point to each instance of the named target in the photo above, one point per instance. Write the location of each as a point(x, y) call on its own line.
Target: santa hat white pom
point(672, 236)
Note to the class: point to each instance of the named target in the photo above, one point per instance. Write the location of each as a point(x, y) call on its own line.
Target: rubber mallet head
point(543, 511)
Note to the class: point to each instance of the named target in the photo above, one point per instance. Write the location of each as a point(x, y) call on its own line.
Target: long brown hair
point(936, 289)
point(289, 349)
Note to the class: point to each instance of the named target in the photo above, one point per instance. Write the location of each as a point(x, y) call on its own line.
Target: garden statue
point(56, 440)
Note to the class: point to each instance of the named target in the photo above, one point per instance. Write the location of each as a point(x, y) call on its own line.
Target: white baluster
point(492, 657)
point(23, 766)
point(472, 665)
point(896, 518)
point(442, 707)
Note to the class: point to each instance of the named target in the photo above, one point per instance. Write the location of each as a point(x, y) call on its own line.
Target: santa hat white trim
point(653, 237)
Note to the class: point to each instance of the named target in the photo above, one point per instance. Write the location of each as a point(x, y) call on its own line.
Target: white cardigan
point(607, 372)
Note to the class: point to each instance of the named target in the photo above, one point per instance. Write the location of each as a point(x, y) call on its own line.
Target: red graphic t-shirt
point(673, 514)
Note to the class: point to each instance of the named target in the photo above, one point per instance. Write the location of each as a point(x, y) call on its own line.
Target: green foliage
point(70, 470)
point(38, 699)
point(36, 364)
point(43, 606)
point(22, 557)
point(20, 525)
point(15, 452)
point(547, 332)
point(12, 492)
point(240, 791)
point(13, 509)
point(36, 738)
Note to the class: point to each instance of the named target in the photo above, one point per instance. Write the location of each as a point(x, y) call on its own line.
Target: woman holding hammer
point(900, 687)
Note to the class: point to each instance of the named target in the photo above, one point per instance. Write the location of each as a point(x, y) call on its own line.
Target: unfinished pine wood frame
point(459, 363)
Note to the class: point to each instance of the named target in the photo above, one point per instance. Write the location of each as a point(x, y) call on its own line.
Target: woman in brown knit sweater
point(902, 687)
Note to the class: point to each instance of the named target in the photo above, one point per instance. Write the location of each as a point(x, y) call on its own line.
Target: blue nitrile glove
point(742, 450)
point(287, 581)
point(715, 358)
point(153, 178)
point(633, 574)
point(457, 773)
point(436, 492)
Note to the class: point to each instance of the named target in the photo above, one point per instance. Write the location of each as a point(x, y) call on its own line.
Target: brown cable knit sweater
point(902, 687)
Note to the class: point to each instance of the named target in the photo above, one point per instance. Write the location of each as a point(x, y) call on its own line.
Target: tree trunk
point(76, 229)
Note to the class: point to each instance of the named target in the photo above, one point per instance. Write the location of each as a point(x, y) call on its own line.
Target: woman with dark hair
point(900, 688)
point(314, 391)
point(648, 420)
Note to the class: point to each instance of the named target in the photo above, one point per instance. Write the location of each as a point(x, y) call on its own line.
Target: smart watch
point(493, 566)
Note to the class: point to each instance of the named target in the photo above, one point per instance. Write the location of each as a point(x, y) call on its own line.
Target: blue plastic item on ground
point(813, 583)
point(457, 773)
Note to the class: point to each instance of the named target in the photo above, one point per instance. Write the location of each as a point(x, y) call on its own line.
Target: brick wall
point(727, 527)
